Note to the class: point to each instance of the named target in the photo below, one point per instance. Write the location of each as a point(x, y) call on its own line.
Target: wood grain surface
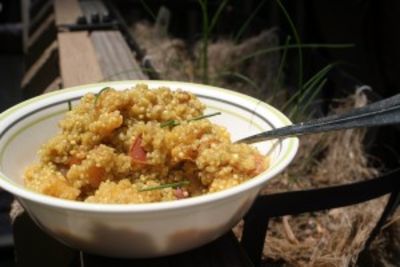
point(78, 61)
point(116, 60)
point(67, 11)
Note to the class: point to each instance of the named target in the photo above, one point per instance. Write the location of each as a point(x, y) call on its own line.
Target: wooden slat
point(25, 5)
point(43, 77)
point(116, 60)
point(46, 8)
point(40, 30)
point(33, 70)
point(67, 11)
point(78, 62)
point(55, 85)
point(44, 37)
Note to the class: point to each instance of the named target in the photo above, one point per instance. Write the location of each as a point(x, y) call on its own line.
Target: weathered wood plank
point(33, 70)
point(67, 11)
point(55, 85)
point(78, 62)
point(25, 5)
point(48, 22)
point(42, 38)
point(43, 77)
point(42, 13)
point(116, 60)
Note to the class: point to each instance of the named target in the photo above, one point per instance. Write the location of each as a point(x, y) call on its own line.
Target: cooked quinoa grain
point(114, 148)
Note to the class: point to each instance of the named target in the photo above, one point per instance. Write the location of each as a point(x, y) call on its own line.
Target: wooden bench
point(90, 57)
point(58, 59)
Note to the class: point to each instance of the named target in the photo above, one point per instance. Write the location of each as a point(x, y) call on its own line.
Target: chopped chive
point(99, 93)
point(205, 116)
point(172, 123)
point(162, 186)
point(169, 123)
point(69, 105)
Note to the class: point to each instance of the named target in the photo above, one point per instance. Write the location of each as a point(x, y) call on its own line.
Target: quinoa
point(117, 147)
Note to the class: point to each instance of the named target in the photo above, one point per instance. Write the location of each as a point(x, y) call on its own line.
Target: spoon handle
point(382, 112)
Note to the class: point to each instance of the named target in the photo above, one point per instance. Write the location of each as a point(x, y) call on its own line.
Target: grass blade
point(148, 10)
point(320, 74)
point(297, 40)
point(313, 93)
point(283, 60)
point(277, 81)
point(216, 16)
point(204, 53)
point(315, 80)
point(241, 77)
point(311, 83)
point(290, 46)
point(247, 22)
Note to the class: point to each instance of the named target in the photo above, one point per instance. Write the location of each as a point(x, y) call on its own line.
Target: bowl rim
point(20, 191)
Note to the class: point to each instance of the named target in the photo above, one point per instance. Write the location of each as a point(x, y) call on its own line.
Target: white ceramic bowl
point(137, 230)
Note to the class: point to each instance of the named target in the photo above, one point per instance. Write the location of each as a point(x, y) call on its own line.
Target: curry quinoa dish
point(138, 146)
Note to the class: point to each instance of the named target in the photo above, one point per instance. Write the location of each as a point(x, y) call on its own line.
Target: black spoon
point(386, 111)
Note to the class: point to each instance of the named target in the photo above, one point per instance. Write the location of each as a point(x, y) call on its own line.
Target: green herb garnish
point(99, 93)
point(162, 186)
point(69, 105)
point(205, 116)
point(172, 123)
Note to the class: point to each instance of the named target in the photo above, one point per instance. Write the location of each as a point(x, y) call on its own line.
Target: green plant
point(278, 80)
point(314, 85)
point(284, 47)
point(297, 40)
point(303, 97)
point(238, 76)
point(206, 30)
point(248, 21)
